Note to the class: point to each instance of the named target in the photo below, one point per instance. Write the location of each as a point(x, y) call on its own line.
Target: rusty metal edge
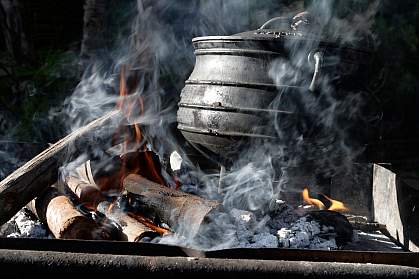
point(22, 263)
point(158, 250)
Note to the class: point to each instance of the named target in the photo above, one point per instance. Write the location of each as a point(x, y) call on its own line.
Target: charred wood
point(132, 230)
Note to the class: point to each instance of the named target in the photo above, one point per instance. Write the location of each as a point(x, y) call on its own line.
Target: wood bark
point(27, 182)
point(132, 230)
point(63, 219)
point(177, 209)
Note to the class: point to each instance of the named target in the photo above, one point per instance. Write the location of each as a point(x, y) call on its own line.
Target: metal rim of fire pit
point(21, 257)
point(147, 249)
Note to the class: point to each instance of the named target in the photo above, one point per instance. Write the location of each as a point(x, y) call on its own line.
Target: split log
point(23, 185)
point(63, 219)
point(132, 230)
point(181, 211)
point(82, 184)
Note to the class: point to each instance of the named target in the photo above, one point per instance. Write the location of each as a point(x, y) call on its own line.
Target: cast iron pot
point(254, 85)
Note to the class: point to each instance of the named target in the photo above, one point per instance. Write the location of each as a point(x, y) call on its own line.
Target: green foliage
point(49, 66)
point(41, 87)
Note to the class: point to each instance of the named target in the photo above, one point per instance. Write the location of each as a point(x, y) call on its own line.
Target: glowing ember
point(334, 206)
point(148, 223)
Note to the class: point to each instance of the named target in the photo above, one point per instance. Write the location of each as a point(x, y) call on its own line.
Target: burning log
point(27, 182)
point(133, 230)
point(177, 209)
point(63, 218)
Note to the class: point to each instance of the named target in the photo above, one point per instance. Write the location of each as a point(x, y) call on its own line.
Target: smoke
point(158, 55)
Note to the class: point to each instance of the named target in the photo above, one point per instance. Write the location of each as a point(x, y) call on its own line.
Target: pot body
point(237, 91)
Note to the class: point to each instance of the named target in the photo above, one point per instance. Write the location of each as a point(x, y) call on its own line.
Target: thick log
point(132, 230)
point(63, 219)
point(23, 185)
point(181, 211)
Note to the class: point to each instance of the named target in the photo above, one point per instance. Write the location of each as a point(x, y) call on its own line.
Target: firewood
point(132, 229)
point(27, 182)
point(63, 219)
point(177, 209)
point(82, 184)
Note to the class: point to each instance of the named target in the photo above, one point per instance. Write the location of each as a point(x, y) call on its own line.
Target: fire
point(131, 102)
point(315, 202)
point(335, 205)
point(135, 157)
point(122, 87)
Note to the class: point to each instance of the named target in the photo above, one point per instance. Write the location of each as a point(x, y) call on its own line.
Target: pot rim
point(244, 37)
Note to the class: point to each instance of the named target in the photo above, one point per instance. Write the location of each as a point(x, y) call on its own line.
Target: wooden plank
point(396, 205)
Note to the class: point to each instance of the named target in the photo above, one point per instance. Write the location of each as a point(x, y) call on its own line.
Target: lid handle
point(316, 58)
point(284, 20)
point(303, 21)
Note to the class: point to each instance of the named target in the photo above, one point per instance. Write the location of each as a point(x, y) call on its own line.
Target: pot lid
point(302, 26)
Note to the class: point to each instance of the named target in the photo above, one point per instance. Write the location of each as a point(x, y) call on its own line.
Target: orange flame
point(315, 202)
point(122, 87)
point(334, 206)
point(132, 103)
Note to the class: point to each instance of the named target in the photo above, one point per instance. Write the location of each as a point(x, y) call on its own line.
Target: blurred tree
point(94, 30)
point(13, 28)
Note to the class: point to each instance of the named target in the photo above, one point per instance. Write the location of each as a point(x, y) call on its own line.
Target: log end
point(81, 227)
